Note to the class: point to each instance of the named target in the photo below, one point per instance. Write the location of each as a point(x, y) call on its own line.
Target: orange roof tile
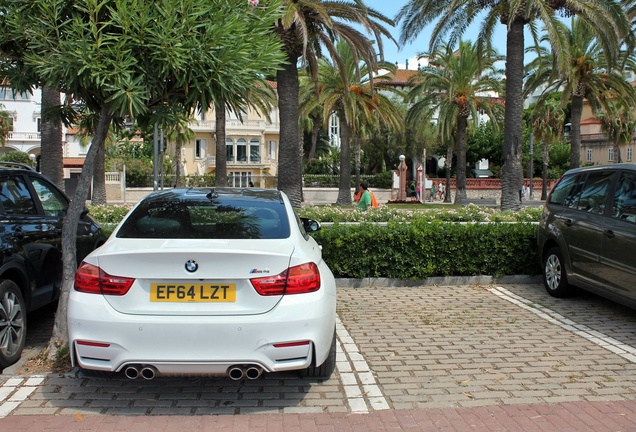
point(73, 162)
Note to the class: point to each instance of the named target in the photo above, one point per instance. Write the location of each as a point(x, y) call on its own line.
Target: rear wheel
point(554, 277)
point(329, 365)
point(13, 324)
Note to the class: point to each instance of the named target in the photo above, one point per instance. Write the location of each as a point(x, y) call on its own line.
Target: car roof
point(244, 194)
point(627, 166)
point(16, 167)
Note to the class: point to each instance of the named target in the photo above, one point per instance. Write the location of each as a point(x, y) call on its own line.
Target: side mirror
point(310, 225)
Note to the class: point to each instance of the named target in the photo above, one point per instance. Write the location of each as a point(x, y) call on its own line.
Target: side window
point(624, 206)
point(301, 227)
point(562, 190)
point(594, 194)
point(53, 202)
point(15, 196)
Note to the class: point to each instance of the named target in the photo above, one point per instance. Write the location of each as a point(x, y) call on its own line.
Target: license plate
point(199, 293)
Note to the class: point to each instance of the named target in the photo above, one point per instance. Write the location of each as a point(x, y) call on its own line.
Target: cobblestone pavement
point(420, 358)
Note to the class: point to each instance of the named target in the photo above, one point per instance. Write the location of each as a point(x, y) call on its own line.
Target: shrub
point(421, 249)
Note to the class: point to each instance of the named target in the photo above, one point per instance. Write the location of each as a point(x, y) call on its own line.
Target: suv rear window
point(15, 196)
point(200, 219)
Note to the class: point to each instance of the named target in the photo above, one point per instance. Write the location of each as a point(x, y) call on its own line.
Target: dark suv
point(32, 210)
point(587, 233)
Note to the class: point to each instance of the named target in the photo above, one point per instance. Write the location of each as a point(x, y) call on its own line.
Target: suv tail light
point(301, 279)
point(93, 280)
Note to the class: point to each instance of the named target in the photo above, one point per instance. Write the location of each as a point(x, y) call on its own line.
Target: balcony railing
point(24, 136)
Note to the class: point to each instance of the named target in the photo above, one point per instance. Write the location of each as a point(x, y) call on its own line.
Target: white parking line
point(356, 376)
point(628, 352)
point(15, 391)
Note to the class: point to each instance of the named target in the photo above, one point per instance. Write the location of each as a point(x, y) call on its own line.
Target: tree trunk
point(290, 154)
point(51, 151)
point(314, 138)
point(544, 171)
point(344, 188)
point(617, 153)
point(220, 174)
point(59, 337)
point(448, 197)
point(98, 197)
point(177, 164)
point(576, 111)
point(462, 124)
point(356, 157)
point(512, 176)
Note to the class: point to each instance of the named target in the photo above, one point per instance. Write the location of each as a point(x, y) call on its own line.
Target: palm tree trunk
point(544, 171)
point(512, 177)
point(177, 164)
point(220, 174)
point(98, 197)
point(356, 157)
point(462, 124)
point(314, 138)
point(344, 189)
point(617, 153)
point(576, 111)
point(290, 154)
point(449, 163)
point(51, 151)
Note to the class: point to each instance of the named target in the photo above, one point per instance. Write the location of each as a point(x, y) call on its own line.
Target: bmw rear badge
point(191, 266)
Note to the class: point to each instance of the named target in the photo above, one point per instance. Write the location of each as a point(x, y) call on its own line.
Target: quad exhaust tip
point(237, 372)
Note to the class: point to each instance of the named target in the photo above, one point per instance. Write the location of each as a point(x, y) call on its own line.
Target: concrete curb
point(441, 281)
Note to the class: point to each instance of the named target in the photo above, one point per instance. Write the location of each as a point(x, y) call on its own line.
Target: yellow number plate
point(160, 292)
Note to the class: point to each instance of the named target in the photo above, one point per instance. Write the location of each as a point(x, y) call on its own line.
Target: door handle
point(568, 222)
point(609, 233)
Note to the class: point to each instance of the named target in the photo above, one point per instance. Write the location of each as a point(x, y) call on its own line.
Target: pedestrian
point(418, 191)
point(365, 198)
point(413, 190)
point(433, 190)
point(440, 191)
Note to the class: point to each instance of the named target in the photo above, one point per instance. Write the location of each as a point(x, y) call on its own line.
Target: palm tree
point(306, 28)
point(456, 86)
point(355, 103)
point(607, 20)
point(619, 125)
point(261, 97)
point(6, 122)
point(548, 117)
point(592, 73)
point(181, 134)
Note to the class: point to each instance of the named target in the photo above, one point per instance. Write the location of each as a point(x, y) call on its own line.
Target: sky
point(392, 54)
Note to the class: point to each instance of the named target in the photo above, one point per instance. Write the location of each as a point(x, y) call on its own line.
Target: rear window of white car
point(221, 219)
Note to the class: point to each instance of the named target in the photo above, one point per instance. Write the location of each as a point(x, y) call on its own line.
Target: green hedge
point(419, 250)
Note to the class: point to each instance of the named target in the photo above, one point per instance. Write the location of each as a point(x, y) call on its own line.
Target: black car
point(32, 211)
point(587, 233)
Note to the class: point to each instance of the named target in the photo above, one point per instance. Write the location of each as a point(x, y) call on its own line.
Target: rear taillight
point(93, 280)
point(301, 279)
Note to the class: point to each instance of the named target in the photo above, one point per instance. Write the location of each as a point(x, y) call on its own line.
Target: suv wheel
point(12, 323)
point(554, 277)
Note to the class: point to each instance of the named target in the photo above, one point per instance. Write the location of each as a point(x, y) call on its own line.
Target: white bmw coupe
point(206, 282)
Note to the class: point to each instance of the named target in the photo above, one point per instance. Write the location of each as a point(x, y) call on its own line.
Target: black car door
point(619, 238)
point(31, 243)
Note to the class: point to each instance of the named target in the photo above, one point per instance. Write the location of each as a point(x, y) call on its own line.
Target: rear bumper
point(104, 339)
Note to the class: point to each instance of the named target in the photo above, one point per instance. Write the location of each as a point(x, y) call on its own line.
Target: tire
point(327, 368)
point(554, 277)
point(13, 323)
